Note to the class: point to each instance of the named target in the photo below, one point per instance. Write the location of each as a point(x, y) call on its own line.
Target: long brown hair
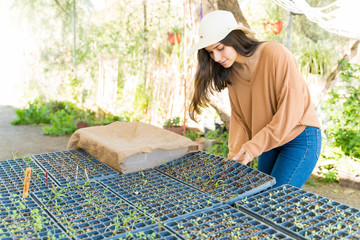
point(210, 76)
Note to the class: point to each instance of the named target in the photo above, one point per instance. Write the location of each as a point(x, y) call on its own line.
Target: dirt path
point(27, 140)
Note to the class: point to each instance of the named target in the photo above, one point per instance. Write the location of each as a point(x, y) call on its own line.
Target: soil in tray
point(86, 212)
point(63, 165)
point(221, 177)
point(12, 174)
point(163, 196)
point(304, 213)
point(22, 216)
point(222, 222)
point(150, 233)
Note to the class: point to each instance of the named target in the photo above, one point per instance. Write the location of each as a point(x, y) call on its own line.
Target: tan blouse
point(273, 107)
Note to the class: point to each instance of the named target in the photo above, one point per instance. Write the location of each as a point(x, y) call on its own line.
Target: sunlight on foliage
point(343, 109)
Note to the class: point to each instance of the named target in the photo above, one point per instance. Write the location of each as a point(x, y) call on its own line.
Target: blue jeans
point(293, 162)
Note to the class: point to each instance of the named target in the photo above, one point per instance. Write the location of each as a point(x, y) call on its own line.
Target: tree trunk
point(228, 5)
point(220, 102)
point(333, 74)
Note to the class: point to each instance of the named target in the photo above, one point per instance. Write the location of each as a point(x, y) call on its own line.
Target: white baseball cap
point(214, 27)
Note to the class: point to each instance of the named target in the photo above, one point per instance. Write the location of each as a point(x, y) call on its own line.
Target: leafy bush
point(343, 109)
point(62, 116)
point(328, 173)
point(220, 148)
point(62, 124)
point(40, 112)
point(36, 113)
point(172, 122)
point(193, 134)
point(315, 58)
point(109, 118)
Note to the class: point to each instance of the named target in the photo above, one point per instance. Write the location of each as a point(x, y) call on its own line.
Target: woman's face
point(225, 55)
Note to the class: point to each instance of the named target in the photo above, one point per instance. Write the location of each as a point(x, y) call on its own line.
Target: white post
point(74, 37)
point(288, 42)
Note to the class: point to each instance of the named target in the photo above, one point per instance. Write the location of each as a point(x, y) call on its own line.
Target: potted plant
point(174, 36)
point(173, 124)
point(275, 23)
point(196, 136)
point(276, 27)
point(84, 120)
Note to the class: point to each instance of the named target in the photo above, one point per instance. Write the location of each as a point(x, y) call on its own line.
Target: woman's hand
point(242, 157)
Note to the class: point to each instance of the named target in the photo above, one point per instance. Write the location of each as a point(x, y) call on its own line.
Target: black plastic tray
point(24, 218)
point(222, 222)
point(62, 166)
point(91, 211)
point(162, 196)
point(304, 214)
point(225, 179)
point(12, 175)
point(151, 232)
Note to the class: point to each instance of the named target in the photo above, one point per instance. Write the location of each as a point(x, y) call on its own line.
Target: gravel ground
point(27, 140)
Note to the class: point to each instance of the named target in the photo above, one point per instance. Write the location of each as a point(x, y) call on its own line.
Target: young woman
point(272, 117)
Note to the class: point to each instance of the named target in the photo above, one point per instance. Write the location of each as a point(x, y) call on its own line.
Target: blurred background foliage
point(129, 68)
point(117, 48)
point(125, 61)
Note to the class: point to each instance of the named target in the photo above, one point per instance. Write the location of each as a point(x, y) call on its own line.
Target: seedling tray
point(304, 214)
point(222, 222)
point(62, 166)
point(162, 196)
point(12, 175)
point(24, 218)
point(149, 233)
point(91, 211)
point(225, 179)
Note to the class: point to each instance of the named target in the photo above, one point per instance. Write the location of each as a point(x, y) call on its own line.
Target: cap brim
point(202, 44)
point(190, 51)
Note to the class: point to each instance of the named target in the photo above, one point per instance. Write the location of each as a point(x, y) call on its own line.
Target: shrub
point(220, 148)
point(36, 113)
point(315, 58)
point(62, 123)
point(172, 122)
point(193, 134)
point(62, 116)
point(343, 110)
point(40, 112)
